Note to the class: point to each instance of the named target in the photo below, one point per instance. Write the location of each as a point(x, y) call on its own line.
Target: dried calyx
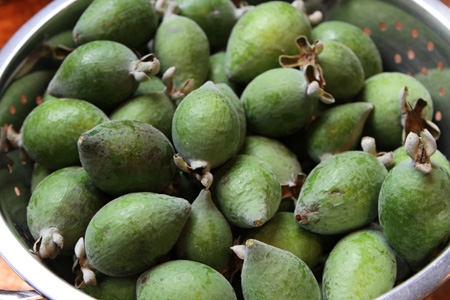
point(293, 187)
point(199, 169)
point(369, 146)
point(170, 92)
point(166, 8)
point(145, 67)
point(315, 18)
point(49, 243)
point(420, 149)
point(87, 276)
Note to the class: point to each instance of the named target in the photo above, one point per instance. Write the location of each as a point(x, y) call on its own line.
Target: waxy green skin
point(361, 266)
point(341, 193)
point(183, 279)
point(261, 36)
point(246, 191)
point(50, 132)
point(123, 156)
point(154, 108)
point(276, 102)
point(145, 227)
point(414, 212)
point(382, 90)
point(337, 130)
point(98, 72)
point(400, 155)
point(62, 39)
point(216, 18)
point(282, 231)
point(207, 236)
point(39, 173)
point(180, 42)
point(355, 39)
point(270, 273)
point(22, 96)
point(342, 71)
point(67, 200)
point(282, 160)
point(217, 70)
point(112, 288)
point(155, 84)
point(131, 22)
point(206, 127)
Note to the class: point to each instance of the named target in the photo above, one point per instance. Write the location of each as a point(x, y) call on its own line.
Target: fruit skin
point(337, 130)
point(341, 193)
point(123, 156)
point(276, 102)
point(180, 42)
point(144, 228)
point(206, 127)
point(39, 173)
point(131, 22)
point(414, 212)
point(246, 191)
point(217, 71)
point(155, 84)
point(361, 266)
point(261, 36)
point(270, 273)
point(22, 96)
point(355, 39)
point(67, 200)
point(382, 90)
point(400, 155)
point(183, 279)
point(112, 288)
point(108, 64)
point(207, 236)
point(282, 231)
point(50, 132)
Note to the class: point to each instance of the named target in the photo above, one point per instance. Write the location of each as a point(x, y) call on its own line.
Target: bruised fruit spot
point(77, 37)
point(411, 54)
point(17, 191)
point(424, 71)
point(216, 13)
point(440, 65)
point(442, 91)
point(23, 99)
point(409, 73)
point(144, 280)
point(367, 30)
point(430, 46)
point(38, 100)
point(336, 192)
point(12, 109)
point(438, 116)
point(414, 33)
point(397, 58)
point(383, 26)
point(257, 223)
point(398, 25)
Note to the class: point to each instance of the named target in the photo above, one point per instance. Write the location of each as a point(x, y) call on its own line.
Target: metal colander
point(413, 37)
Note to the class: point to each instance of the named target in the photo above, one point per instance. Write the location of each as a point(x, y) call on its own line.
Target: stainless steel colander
point(413, 37)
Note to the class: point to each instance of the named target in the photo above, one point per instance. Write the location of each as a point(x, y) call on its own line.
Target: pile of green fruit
point(195, 150)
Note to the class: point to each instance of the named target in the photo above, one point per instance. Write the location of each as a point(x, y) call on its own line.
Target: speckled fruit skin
point(355, 39)
point(382, 90)
point(361, 266)
point(261, 36)
point(337, 130)
point(207, 236)
point(183, 279)
point(217, 71)
point(216, 18)
point(400, 155)
point(154, 84)
point(39, 173)
point(21, 97)
point(131, 22)
point(112, 288)
point(50, 132)
point(66, 199)
point(180, 42)
point(414, 212)
point(145, 227)
point(270, 273)
point(282, 231)
point(206, 127)
point(341, 193)
point(123, 156)
point(342, 71)
point(106, 63)
point(246, 191)
point(276, 102)
point(282, 160)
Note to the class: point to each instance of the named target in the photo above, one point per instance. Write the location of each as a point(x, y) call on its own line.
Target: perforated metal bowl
point(414, 38)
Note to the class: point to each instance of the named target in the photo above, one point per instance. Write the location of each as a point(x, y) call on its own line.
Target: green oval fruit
point(414, 211)
point(206, 127)
point(155, 84)
point(337, 130)
point(39, 173)
point(355, 39)
point(217, 70)
point(131, 22)
point(50, 132)
point(246, 191)
point(62, 204)
point(261, 36)
point(183, 279)
point(341, 193)
point(400, 155)
point(112, 288)
point(282, 231)
point(207, 236)
point(270, 273)
point(145, 227)
point(276, 102)
point(180, 42)
point(123, 156)
point(361, 266)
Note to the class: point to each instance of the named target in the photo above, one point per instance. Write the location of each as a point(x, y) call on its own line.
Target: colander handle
point(24, 295)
